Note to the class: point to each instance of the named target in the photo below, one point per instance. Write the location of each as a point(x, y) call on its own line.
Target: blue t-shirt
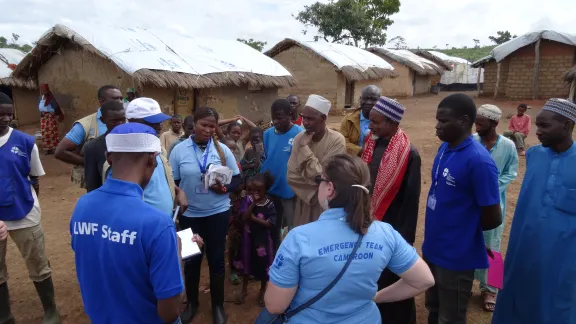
point(277, 149)
point(43, 108)
point(126, 255)
point(77, 134)
point(311, 261)
point(364, 130)
point(157, 192)
point(185, 160)
point(467, 180)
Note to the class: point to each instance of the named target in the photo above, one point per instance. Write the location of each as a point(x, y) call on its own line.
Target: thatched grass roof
point(18, 83)
point(570, 75)
point(60, 37)
point(355, 63)
point(427, 55)
point(417, 63)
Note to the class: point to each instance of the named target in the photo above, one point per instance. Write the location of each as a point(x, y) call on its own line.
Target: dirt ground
point(58, 197)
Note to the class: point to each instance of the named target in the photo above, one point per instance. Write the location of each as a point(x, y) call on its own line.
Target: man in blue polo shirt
point(463, 201)
point(278, 142)
point(127, 252)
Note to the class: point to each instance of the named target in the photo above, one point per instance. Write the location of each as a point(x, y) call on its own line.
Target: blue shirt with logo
point(77, 134)
point(157, 192)
point(126, 254)
point(464, 179)
point(277, 149)
point(186, 160)
point(311, 261)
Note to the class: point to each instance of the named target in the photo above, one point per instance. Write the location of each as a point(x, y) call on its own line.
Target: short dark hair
point(203, 112)
point(266, 178)
point(523, 106)
point(188, 119)
point(109, 106)
point(233, 124)
point(5, 99)
point(281, 105)
point(257, 130)
point(104, 89)
point(461, 105)
point(177, 116)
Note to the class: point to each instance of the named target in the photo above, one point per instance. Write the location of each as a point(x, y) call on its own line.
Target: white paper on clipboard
point(189, 248)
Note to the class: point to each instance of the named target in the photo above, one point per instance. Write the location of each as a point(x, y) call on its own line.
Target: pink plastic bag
point(496, 270)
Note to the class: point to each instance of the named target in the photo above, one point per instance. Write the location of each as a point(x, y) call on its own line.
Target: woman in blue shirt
point(307, 262)
point(208, 210)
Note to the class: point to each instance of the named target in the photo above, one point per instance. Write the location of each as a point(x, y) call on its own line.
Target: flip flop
point(489, 301)
point(235, 279)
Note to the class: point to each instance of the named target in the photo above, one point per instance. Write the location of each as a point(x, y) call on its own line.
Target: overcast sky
point(423, 23)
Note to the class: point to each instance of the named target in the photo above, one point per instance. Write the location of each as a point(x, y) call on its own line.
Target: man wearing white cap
point(540, 267)
point(126, 251)
point(161, 192)
point(309, 150)
point(503, 151)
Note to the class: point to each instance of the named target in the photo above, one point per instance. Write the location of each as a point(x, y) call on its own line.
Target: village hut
point(180, 72)
point(335, 71)
point(530, 66)
point(415, 73)
point(570, 78)
point(460, 75)
point(23, 93)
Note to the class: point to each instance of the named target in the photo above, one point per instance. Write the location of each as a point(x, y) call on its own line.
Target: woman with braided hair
point(208, 210)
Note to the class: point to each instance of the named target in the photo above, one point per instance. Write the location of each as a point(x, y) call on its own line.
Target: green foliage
point(503, 37)
point(398, 42)
point(471, 54)
point(351, 22)
point(258, 45)
point(12, 44)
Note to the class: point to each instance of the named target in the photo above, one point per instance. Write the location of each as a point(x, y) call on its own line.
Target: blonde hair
point(344, 171)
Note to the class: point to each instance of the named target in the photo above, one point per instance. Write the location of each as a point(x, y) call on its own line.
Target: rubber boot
point(45, 291)
point(217, 294)
point(5, 312)
point(192, 283)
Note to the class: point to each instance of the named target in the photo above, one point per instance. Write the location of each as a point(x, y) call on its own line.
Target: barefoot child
point(256, 249)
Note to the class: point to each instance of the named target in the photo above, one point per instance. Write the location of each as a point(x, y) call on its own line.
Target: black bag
point(266, 318)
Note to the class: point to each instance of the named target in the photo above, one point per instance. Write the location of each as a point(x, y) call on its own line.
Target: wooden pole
point(572, 95)
point(478, 80)
point(497, 81)
point(536, 70)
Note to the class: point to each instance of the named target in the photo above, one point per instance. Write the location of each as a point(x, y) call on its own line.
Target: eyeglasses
point(319, 180)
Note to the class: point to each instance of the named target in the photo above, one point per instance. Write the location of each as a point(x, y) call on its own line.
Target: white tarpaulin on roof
point(503, 50)
point(462, 70)
point(346, 55)
point(416, 59)
point(133, 49)
point(9, 56)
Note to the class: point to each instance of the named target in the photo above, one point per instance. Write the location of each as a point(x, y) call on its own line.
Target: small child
point(254, 156)
point(256, 248)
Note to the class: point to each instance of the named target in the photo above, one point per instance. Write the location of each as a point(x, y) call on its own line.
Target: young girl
point(256, 249)
point(254, 156)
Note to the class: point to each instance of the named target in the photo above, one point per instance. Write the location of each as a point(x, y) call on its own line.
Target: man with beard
point(503, 151)
point(395, 174)
point(355, 126)
point(543, 234)
point(310, 148)
point(464, 200)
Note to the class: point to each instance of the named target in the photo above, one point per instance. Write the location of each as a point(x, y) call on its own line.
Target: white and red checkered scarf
point(391, 171)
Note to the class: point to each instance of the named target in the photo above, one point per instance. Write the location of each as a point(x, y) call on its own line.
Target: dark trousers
point(276, 232)
point(212, 229)
point(400, 312)
point(447, 300)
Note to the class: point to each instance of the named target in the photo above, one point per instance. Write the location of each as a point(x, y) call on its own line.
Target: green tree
point(353, 22)
point(398, 42)
point(503, 37)
point(258, 45)
point(13, 43)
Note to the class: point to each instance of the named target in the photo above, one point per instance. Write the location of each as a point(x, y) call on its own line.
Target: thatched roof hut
point(162, 59)
point(9, 59)
point(337, 72)
point(429, 56)
point(415, 72)
point(181, 72)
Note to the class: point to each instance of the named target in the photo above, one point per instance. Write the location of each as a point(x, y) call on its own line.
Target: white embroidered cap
point(133, 138)
point(319, 103)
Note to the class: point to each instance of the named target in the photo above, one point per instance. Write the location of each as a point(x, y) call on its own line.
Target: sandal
point(240, 298)
point(235, 279)
point(489, 301)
